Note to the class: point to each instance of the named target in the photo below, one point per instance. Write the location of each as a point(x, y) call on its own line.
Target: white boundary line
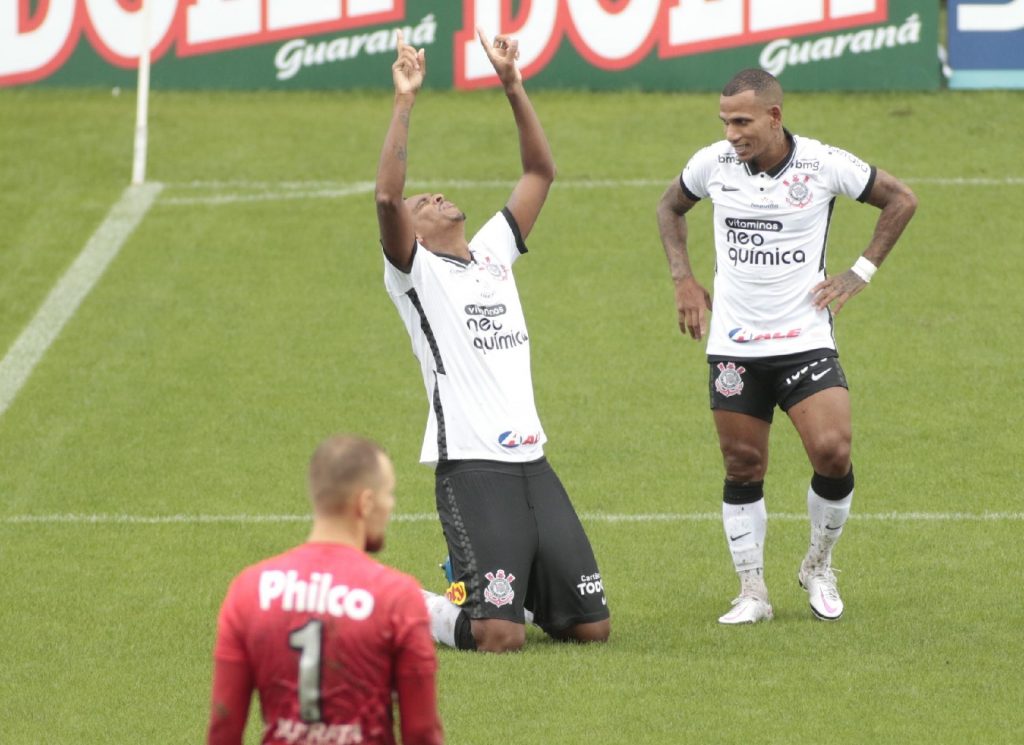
point(578, 183)
point(233, 192)
point(419, 517)
point(124, 217)
point(288, 193)
point(65, 297)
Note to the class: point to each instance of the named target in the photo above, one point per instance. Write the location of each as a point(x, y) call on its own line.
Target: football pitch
point(172, 354)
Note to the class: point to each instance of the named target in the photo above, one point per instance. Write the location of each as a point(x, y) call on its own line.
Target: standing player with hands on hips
point(325, 634)
point(514, 540)
point(771, 339)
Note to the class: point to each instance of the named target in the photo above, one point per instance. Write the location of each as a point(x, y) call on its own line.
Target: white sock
point(828, 516)
point(746, 526)
point(752, 583)
point(443, 616)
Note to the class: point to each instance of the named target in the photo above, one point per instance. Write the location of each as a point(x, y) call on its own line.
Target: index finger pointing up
point(483, 40)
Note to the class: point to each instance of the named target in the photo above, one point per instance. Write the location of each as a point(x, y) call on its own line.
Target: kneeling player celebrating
point(515, 542)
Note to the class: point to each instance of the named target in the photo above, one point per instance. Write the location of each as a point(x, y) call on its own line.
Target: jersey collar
point(783, 164)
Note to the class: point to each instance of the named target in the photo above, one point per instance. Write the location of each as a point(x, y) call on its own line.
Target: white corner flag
point(142, 101)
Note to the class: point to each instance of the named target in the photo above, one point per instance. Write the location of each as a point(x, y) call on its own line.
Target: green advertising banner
point(593, 44)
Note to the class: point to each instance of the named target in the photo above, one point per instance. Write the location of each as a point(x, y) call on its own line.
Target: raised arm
point(397, 235)
point(692, 300)
point(898, 204)
point(531, 191)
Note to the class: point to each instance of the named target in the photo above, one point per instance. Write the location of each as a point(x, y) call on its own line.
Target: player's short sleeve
point(398, 282)
point(697, 173)
point(848, 174)
point(501, 237)
point(230, 643)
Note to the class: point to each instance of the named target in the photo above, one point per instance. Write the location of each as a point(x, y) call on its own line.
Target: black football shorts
point(757, 386)
point(516, 542)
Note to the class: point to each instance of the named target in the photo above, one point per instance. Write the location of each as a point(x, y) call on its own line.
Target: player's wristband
point(864, 269)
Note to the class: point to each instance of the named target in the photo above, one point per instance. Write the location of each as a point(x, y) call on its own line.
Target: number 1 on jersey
point(308, 641)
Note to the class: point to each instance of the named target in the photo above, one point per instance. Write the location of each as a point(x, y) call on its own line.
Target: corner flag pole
point(142, 102)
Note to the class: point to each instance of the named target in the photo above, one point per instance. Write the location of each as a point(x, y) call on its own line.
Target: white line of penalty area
point(72, 288)
point(233, 192)
point(421, 517)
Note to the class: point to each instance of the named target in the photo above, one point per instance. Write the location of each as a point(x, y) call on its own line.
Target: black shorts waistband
point(448, 467)
point(777, 361)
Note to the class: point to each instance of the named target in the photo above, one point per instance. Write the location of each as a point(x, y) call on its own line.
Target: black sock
point(464, 633)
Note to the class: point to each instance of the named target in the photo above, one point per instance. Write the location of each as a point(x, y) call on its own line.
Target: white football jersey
point(469, 334)
point(770, 234)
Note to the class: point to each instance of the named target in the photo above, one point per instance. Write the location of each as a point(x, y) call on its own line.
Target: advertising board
point(591, 44)
point(986, 44)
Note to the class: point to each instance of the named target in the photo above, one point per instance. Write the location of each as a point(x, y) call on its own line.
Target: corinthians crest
point(730, 379)
point(499, 590)
point(798, 194)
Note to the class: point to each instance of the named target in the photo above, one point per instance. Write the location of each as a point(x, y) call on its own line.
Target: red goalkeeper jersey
point(325, 635)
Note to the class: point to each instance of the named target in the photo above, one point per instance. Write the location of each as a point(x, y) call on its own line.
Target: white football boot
point(820, 583)
point(752, 604)
point(748, 609)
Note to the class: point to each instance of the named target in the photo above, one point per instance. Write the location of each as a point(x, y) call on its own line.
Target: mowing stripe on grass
point(232, 192)
point(419, 517)
point(65, 297)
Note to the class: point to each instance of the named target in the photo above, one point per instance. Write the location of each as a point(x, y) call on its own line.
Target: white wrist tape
point(864, 269)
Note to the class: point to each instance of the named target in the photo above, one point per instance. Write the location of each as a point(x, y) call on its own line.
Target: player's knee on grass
point(493, 635)
point(597, 631)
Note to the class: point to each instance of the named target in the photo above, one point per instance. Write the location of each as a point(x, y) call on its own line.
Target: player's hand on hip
point(503, 53)
point(410, 67)
point(836, 290)
point(693, 302)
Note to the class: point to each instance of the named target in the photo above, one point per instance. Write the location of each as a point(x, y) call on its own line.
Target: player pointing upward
point(770, 340)
point(514, 539)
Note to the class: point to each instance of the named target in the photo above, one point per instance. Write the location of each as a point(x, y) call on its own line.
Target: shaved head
point(342, 466)
point(763, 84)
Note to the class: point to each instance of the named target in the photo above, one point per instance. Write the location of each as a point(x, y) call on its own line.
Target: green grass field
point(160, 443)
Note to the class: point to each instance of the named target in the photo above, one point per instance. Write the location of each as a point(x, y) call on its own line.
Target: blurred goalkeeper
point(771, 340)
point(516, 546)
point(327, 636)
